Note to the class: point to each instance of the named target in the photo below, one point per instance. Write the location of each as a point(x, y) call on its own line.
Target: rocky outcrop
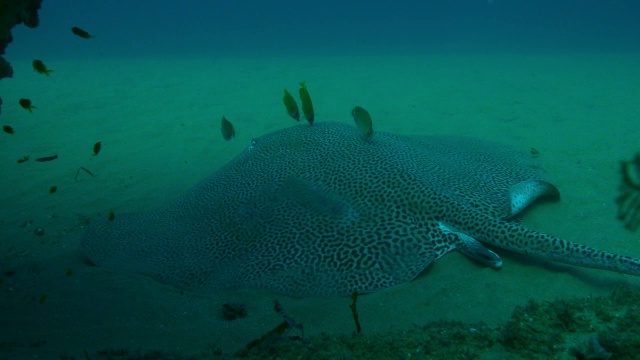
point(12, 13)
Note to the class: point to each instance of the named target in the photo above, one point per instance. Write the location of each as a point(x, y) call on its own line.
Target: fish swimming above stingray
point(323, 210)
point(41, 68)
point(81, 33)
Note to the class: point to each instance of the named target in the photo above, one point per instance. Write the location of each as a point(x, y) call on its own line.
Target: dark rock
point(232, 311)
point(12, 13)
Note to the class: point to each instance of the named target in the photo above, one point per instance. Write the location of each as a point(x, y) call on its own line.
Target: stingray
point(322, 211)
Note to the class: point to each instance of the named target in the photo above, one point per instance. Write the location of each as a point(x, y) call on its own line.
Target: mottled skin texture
point(321, 210)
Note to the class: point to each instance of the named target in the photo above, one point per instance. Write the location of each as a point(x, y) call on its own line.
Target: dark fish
point(24, 158)
point(111, 215)
point(27, 105)
point(96, 148)
point(53, 189)
point(227, 129)
point(363, 121)
point(307, 106)
point(47, 158)
point(290, 104)
point(40, 67)
point(42, 299)
point(68, 272)
point(8, 129)
point(83, 34)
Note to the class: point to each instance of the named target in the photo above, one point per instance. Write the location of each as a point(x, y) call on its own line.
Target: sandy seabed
point(158, 120)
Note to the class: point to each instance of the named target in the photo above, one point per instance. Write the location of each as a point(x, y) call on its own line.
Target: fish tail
point(516, 238)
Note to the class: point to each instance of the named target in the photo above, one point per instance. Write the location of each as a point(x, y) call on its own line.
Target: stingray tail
point(514, 237)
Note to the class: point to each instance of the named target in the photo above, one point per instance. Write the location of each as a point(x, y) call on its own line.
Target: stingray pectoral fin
point(472, 248)
point(524, 193)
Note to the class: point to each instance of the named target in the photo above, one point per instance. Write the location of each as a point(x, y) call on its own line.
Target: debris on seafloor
point(628, 199)
point(276, 331)
point(271, 337)
point(291, 323)
point(593, 328)
point(83, 169)
point(590, 349)
point(354, 312)
point(232, 311)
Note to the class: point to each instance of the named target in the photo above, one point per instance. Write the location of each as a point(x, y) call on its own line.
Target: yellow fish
point(363, 121)
point(227, 129)
point(307, 106)
point(290, 104)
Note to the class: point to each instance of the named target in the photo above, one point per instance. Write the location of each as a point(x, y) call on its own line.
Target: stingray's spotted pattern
point(321, 210)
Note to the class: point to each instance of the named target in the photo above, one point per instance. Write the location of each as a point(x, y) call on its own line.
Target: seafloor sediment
point(606, 327)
